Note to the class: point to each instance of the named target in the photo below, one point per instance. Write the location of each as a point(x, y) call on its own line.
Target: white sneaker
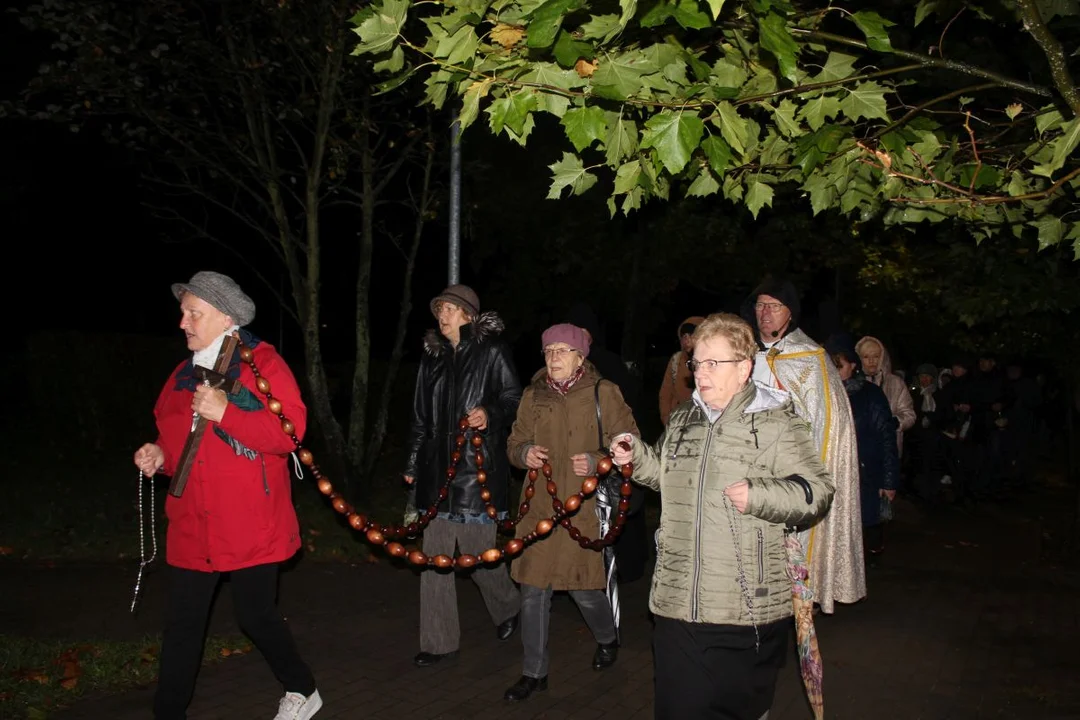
point(295, 706)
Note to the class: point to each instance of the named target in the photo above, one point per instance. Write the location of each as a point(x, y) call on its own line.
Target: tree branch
point(960, 67)
point(990, 199)
point(1055, 55)
point(930, 103)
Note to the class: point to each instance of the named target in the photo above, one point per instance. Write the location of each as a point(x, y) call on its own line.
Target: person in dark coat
point(875, 435)
point(466, 372)
point(632, 547)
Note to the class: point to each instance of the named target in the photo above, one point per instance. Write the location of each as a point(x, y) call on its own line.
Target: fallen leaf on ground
point(226, 652)
point(584, 68)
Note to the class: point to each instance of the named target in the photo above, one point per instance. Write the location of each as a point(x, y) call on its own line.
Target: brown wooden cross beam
point(210, 378)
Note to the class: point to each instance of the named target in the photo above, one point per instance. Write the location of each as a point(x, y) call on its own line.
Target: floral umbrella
point(802, 602)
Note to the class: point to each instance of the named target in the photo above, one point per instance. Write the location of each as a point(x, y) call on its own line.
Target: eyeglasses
point(773, 307)
point(557, 352)
point(709, 365)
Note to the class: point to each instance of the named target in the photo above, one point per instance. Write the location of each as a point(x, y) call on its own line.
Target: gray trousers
point(440, 631)
point(536, 621)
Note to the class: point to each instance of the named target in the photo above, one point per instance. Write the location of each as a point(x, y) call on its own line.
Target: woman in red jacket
point(236, 514)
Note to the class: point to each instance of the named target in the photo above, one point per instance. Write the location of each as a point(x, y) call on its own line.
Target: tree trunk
point(362, 368)
point(378, 432)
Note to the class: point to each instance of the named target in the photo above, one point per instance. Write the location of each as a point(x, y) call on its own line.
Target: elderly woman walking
point(736, 468)
point(557, 424)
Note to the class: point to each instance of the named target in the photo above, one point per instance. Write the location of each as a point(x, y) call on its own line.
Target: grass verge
point(40, 677)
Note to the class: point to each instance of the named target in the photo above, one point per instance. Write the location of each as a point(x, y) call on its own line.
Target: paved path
point(961, 622)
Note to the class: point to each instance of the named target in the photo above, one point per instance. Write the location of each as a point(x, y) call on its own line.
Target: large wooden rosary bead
point(529, 492)
point(443, 561)
point(395, 549)
point(325, 487)
point(491, 512)
point(544, 526)
point(460, 441)
point(305, 456)
point(444, 493)
point(491, 555)
point(375, 537)
point(481, 476)
point(417, 558)
point(245, 354)
point(546, 469)
point(463, 424)
point(627, 471)
point(479, 459)
point(263, 384)
point(626, 490)
point(287, 426)
point(466, 561)
point(358, 522)
point(588, 487)
point(552, 488)
point(533, 475)
point(572, 503)
point(477, 441)
point(455, 457)
point(514, 547)
point(603, 466)
point(485, 495)
point(339, 504)
point(275, 407)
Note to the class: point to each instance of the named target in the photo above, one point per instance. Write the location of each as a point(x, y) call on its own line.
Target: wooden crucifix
point(211, 378)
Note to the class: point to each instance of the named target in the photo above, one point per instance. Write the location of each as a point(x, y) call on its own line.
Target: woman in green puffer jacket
point(735, 468)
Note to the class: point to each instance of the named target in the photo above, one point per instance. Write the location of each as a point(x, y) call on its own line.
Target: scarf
point(928, 404)
point(564, 386)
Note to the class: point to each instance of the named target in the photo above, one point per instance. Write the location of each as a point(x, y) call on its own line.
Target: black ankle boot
point(605, 656)
point(524, 687)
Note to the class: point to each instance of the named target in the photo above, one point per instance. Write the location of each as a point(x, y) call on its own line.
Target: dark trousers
point(187, 610)
point(536, 622)
point(440, 631)
point(714, 672)
point(874, 539)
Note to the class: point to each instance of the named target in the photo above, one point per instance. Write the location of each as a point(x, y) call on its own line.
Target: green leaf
point(459, 47)
point(820, 109)
point(865, 100)
point(822, 191)
point(718, 153)
point(924, 8)
point(392, 64)
point(784, 116)
point(928, 145)
point(380, 30)
point(837, 67)
point(1051, 230)
point(732, 126)
point(584, 126)
point(546, 21)
point(758, 195)
point(989, 176)
point(715, 6)
point(511, 111)
point(674, 135)
point(543, 73)
point(627, 177)
point(690, 15)
point(811, 150)
point(1074, 235)
point(622, 138)
point(569, 173)
point(619, 77)
point(704, 184)
point(629, 7)
point(599, 26)
point(873, 27)
point(1064, 145)
point(567, 50)
point(776, 38)
point(470, 104)
point(728, 74)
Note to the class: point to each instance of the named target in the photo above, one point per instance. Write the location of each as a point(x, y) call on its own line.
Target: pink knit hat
point(572, 335)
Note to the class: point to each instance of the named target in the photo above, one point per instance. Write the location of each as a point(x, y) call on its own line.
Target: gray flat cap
point(222, 292)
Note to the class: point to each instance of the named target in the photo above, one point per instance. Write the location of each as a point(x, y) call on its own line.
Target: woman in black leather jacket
point(466, 371)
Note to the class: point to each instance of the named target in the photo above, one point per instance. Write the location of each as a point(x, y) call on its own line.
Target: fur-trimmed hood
point(486, 325)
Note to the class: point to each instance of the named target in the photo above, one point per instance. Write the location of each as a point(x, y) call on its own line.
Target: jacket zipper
point(760, 556)
point(266, 485)
point(697, 525)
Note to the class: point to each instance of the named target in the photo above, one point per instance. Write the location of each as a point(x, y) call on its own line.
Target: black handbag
point(613, 482)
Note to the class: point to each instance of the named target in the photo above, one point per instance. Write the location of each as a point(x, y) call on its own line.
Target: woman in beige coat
point(557, 424)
